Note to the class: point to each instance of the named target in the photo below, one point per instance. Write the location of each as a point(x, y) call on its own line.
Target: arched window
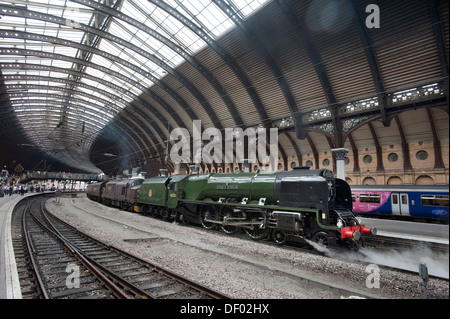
point(369, 181)
point(424, 180)
point(394, 180)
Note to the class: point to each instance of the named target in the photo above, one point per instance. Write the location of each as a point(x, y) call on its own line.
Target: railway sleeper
point(73, 291)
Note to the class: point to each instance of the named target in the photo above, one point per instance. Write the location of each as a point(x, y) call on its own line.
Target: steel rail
point(117, 291)
point(98, 269)
point(125, 283)
point(208, 291)
point(30, 250)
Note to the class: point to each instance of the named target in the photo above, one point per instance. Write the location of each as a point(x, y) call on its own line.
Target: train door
point(400, 204)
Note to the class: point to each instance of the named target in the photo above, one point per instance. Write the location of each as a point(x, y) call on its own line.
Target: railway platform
point(9, 279)
point(425, 232)
point(60, 176)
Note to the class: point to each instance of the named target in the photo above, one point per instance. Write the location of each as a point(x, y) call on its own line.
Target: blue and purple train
point(404, 201)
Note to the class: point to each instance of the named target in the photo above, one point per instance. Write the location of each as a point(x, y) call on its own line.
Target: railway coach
point(94, 191)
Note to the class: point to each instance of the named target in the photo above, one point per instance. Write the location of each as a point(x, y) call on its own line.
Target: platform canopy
point(93, 81)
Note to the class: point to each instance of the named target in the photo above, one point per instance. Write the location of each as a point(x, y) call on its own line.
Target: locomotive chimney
point(246, 166)
point(194, 169)
point(163, 172)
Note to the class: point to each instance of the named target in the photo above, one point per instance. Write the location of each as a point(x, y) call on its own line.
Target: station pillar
point(339, 154)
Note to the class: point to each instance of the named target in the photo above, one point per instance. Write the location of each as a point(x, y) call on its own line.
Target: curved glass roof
point(79, 77)
point(70, 67)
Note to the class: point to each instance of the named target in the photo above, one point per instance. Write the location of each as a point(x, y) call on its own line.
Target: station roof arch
point(109, 79)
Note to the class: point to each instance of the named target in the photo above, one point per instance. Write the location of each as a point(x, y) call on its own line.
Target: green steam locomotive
point(310, 204)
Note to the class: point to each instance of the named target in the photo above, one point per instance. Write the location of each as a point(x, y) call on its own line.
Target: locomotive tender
point(310, 204)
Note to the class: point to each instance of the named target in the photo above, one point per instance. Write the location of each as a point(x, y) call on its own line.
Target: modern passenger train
point(404, 201)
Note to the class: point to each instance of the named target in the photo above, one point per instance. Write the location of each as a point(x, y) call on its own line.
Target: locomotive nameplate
point(227, 187)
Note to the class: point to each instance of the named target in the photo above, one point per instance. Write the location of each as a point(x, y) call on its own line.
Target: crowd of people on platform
point(9, 185)
point(40, 181)
point(8, 190)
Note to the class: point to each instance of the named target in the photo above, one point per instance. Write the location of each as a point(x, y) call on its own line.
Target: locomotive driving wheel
point(226, 213)
point(208, 213)
point(256, 232)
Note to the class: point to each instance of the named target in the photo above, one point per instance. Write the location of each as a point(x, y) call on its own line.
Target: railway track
point(401, 243)
point(55, 260)
point(379, 243)
point(291, 245)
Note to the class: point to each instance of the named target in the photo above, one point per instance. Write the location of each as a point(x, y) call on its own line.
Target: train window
point(369, 198)
point(395, 199)
point(404, 199)
point(353, 198)
point(434, 200)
